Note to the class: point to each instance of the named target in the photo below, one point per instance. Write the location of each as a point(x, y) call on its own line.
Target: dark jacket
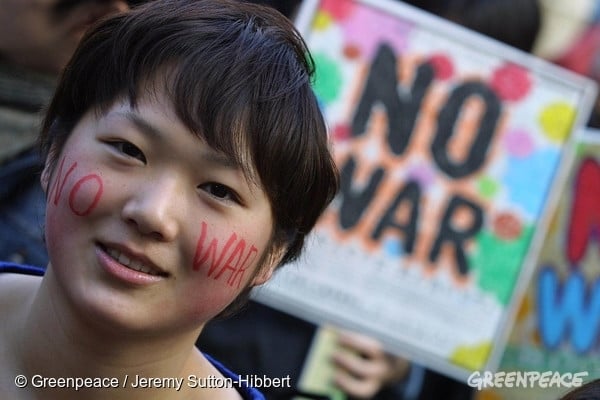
point(23, 95)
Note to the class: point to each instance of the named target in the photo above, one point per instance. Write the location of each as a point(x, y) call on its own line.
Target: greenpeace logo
point(525, 379)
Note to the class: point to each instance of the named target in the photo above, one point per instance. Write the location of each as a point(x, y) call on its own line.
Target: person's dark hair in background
point(42, 35)
point(514, 22)
point(287, 7)
point(589, 391)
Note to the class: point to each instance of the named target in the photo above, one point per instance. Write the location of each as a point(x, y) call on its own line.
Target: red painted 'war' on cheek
point(232, 257)
point(84, 194)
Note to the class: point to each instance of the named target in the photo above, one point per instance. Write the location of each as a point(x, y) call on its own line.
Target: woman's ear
point(269, 265)
point(45, 178)
point(265, 273)
point(49, 164)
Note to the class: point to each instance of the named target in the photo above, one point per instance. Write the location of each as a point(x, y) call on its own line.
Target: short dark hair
point(237, 74)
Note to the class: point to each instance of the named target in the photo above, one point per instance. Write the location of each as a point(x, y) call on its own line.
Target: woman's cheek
point(73, 194)
point(85, 194)
point(209, 298)
point(80, 192)
point(224, 257)
point(222, 264)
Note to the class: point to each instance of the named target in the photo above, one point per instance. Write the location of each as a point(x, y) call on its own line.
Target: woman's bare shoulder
point(15, 289)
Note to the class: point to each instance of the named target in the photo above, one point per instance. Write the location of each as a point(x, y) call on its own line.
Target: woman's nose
point(153, 209)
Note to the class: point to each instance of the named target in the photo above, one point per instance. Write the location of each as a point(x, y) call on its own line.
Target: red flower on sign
point(339, 10)
point(507, 226)
point(341, 132)
point(442, 65)
point(351, 52)
point(511, 82)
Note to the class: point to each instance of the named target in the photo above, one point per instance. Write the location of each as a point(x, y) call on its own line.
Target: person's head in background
point(513, 22)
point(41, 35)
point(588, 391)
point(287, 8)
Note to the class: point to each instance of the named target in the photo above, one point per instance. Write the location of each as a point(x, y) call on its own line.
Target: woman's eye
point(129, 150)
point(219, 191)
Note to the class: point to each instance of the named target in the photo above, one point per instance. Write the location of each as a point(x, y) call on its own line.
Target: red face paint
point(78, 206)
point(59, 185)
point(212, 257)
point(84, 194)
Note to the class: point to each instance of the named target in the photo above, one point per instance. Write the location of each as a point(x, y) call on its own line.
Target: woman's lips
point(126, 267)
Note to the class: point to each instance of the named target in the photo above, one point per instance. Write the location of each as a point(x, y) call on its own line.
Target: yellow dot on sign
point(471, 357)
point(557, 120)
point(322, 21)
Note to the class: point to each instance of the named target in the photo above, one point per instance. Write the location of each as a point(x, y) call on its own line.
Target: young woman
point(186, 159)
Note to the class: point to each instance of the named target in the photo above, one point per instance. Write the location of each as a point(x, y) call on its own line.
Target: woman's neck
point(55, 340)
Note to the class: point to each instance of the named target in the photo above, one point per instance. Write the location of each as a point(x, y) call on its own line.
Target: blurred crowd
point(37, 37)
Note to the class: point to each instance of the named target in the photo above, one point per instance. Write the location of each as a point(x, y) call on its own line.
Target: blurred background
point(36, 40)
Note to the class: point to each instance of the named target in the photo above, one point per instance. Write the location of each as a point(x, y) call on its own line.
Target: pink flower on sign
point(365, 30)
point(511, 82)
point(518, 143)
point(424, 174)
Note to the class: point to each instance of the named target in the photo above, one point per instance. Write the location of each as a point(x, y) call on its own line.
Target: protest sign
point(449, 146)
point(557, 327)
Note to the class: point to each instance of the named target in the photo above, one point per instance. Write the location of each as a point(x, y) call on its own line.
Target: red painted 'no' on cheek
point(84, 195)
point(77, 202)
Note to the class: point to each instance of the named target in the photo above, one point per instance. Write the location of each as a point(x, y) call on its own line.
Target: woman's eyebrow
point(142, 125)
point(148, 129)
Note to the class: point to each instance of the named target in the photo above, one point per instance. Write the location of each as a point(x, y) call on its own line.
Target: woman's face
point(148, 227)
